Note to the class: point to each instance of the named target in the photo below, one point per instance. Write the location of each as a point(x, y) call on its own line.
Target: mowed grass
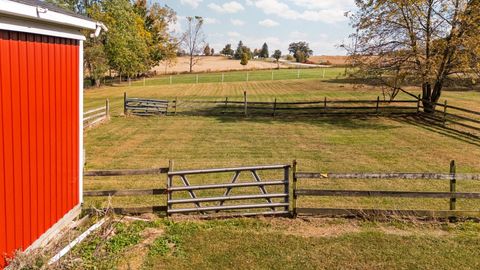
point(279, 244)
point(323, 144)
point(244, 76)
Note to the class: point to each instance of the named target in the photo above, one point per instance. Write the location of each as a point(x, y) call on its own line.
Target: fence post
point(245, 102)
point(226, 106)
point(378, 102)
point(129, 81)
point(107, 109)
point(294, 203)
point(170, 79)
point(274, 107)
point(169, 185)
point(196, 79)
point(176, 105)
point(324, 73)
point(223, 77)
point(125, 103)
point(298, 73)
point(418, 103)
point(286, 178)
point(143, 81)
point(453, 182)
point(247, 76)
point(272, 75)
point(445, 113)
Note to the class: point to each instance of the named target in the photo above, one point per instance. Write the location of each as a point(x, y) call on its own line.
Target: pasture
point(324, 144)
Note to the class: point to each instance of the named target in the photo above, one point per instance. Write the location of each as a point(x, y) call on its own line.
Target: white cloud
point(325, 4)
point(229, 7)
point(237, 22)
point(268, 23)
point(209, 20)
point(324, 11)
point(192, 3)
point(233, 34)
point(298, 35)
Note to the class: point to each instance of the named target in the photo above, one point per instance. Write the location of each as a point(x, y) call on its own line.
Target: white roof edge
point(41, 14)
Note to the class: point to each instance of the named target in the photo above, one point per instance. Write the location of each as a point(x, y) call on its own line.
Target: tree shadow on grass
point(354, 121)
point(362, 120)
point(432, 126)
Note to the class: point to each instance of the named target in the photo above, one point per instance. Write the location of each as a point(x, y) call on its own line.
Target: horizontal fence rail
point(144, 107)
point(234, 183)
point(413, 176)
point(95, 116)
point(126, 172)
point(285, 108)
point(466, 118)
point(452, 195)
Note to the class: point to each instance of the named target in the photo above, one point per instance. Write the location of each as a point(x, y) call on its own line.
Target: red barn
point(41, 100)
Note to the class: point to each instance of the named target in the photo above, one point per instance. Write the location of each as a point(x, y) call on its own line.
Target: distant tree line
point(300, 51)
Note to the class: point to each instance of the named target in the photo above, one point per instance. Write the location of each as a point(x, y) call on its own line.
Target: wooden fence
point(298, 192)
point(452, 195)
point(465, 118)
point(96, 116)
point(278, 108)
point(144, 107)
point(135, 192)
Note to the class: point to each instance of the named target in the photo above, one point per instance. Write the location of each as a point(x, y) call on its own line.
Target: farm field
point(212, 64)
point(323, 144)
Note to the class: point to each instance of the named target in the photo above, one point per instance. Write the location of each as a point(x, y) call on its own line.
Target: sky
point(321, 23)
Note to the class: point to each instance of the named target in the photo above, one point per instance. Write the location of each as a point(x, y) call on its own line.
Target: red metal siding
point(39, 131)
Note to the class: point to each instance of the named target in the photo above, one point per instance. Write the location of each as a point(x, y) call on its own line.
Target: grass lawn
point(324, 144)
point(244, 76)
point(278, 244)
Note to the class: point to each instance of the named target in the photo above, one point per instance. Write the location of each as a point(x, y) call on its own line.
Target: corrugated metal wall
point(39, 140)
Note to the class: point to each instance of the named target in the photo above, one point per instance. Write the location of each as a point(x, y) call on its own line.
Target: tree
point(244, 60)
point(276, 55)
point(95, 60)
point(207, 51)
point(126, 46)
point(239, 52)
point(300, 50)
point(227, 50)
point(264, 51)
point(194, 40)
point(421, 42)
point(162, 45)
point(256, 53)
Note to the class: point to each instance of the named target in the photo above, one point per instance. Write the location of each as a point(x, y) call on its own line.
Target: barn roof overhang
point(30, 14)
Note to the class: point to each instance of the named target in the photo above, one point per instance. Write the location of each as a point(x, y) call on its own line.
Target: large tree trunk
point(431, 96)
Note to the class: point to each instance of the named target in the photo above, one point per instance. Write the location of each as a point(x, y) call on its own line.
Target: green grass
point(243, 244)
point(332, 144)
point(324, 144)
point(243, 76)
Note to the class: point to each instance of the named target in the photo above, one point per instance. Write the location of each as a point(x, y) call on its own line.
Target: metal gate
point(253, 191)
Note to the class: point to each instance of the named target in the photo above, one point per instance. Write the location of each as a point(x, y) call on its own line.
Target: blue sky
point(278, 22)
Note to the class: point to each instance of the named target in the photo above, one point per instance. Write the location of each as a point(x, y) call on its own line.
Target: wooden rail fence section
point(97, 115)
point(453, 195)
point(319, 107)
point(254, 201)
point(144, 107)
point(468, 119)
